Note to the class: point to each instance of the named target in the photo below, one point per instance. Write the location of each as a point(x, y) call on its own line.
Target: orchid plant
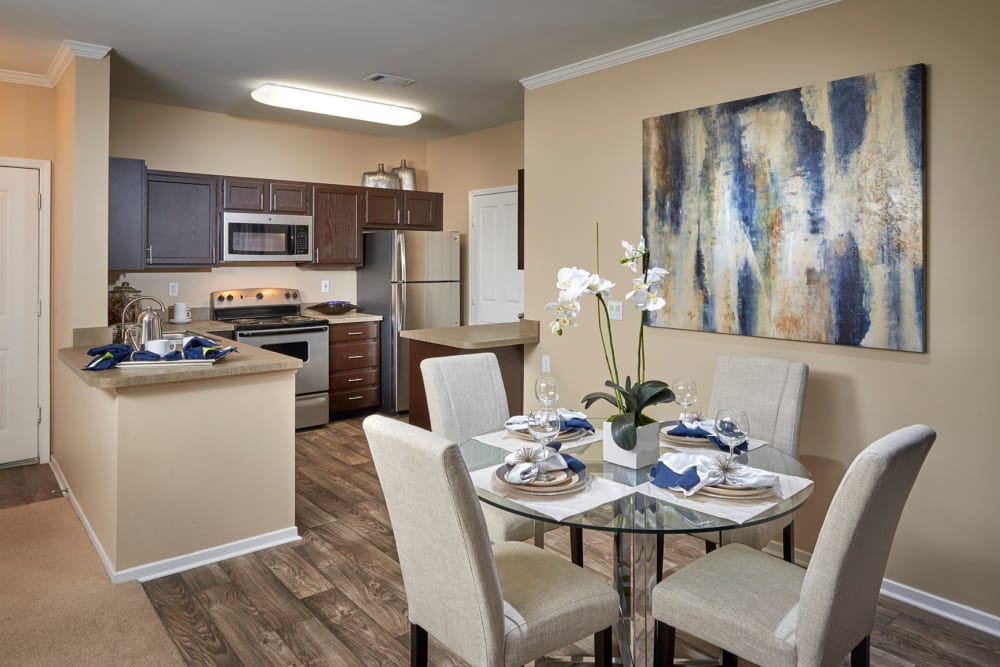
point(646, 295)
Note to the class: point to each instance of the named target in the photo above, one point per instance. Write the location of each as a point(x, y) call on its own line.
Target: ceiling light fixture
point(334, 105)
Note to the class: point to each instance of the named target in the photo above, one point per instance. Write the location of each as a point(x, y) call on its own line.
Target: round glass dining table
point(638, 522)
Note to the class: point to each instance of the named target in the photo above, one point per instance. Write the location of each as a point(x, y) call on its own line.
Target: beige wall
point(583, 157)
point(27, 121)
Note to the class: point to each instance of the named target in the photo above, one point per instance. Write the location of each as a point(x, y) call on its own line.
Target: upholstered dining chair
point(774, 613)
point(493, 605)
point(770, 391)
point(466, 397)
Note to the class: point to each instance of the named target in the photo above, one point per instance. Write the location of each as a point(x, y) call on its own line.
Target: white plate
point(727, 491)
point(579, 482)
point(180, 321)
point(569, 435)
point(176, 363)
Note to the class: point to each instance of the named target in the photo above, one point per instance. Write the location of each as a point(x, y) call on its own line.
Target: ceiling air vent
point(390, 80)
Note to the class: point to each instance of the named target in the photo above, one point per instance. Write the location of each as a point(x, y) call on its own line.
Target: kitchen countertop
point(478, 336)
point(248, 360)
point(346, 318)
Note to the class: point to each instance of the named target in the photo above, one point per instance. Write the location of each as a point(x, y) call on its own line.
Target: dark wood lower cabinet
point(354, 367)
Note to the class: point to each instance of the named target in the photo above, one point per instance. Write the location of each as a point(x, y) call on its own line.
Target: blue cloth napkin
point(662, 476)
point(202, 348)
point(698, 432)
point(148, 355)
point(106, 356)
point(575, 422)
point(573, 463)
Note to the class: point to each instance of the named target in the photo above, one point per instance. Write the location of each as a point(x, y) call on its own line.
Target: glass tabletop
point(637, 512)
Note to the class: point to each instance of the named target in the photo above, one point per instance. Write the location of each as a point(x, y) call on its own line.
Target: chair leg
point(788, 542)
point(418, 646)
point(861, 654)
point(576, 545)
point(729, 659)
point(659, 557)
point(663, 644)
point(602, 648)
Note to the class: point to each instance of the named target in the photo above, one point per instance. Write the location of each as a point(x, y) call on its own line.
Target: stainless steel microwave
point(266, 237)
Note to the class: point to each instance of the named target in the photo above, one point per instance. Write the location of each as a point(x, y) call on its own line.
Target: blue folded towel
point(106, 356)
point(575, 422)
point(573, 463)
point(698, 432)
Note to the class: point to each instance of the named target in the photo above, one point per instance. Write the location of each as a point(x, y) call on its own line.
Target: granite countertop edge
point(478, 336)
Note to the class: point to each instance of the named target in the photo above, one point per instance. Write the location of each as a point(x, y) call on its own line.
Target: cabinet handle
point(149, 254)
point(355, 356)
point(355, 379)
point(397, 216)
point(274, 200)
point(355, 333)
point(213, 252)
point(261, 204)
point(316, 255)
point(354, 398)
point(407, 216)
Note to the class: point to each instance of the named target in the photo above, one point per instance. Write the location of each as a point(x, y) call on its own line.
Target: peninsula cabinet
point(181, 219)
point(403, 209)
point(338, 214)
point(263, 196)
point(354, 367)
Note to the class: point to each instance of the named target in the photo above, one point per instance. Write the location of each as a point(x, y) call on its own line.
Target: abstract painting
point(795, 215)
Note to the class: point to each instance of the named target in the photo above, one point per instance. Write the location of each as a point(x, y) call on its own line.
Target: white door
point(19, 310)
point(496, 286)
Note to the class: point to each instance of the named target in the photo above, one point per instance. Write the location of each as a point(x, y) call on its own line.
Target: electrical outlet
point(615, 310)
point(546, 364)
point(324, 286)
point(173, 289)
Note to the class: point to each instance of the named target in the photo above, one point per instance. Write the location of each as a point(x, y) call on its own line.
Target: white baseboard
point(953, 611)
point(175, 564)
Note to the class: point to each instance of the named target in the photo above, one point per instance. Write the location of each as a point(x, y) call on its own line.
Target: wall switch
point(173, 289)
point(546, 364)
point(324, 286)
point(615, 310)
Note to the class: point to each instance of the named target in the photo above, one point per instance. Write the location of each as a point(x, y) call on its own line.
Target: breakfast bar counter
point(506, 340)
point(170, 468)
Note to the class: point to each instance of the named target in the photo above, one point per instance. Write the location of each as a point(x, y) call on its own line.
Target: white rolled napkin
point(526, 463)
point(681, 468)
point(520, 422)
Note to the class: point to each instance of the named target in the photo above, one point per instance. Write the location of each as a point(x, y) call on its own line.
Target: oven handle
point(274, 332)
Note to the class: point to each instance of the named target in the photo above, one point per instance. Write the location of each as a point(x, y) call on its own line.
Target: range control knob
point(221, 298)
point(229, 298)
point(295, 295)
point(288, 295)
point(260, 295)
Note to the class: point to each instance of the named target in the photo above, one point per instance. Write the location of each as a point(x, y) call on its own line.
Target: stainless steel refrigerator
point(413, 280)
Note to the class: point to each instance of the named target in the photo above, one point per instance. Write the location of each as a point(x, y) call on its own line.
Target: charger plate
point(577, 482)
point(689, 440)
point(567, 435)
point(731, 491)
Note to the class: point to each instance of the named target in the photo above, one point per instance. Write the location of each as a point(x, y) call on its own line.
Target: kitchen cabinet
point(338, 215)
point(181, 226)
point(354, 366)
point(126, 214)
point(403, 209)
point(263, 196)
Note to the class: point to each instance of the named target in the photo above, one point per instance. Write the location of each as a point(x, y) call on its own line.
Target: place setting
point(691, 429)
point(720, 484)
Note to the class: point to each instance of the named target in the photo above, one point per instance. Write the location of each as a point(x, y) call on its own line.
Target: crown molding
point(68, 50)
point(752, 17)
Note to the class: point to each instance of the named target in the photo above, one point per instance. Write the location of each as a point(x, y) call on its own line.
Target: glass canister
point(407, 176)
point(380, 178)
point(118, 296)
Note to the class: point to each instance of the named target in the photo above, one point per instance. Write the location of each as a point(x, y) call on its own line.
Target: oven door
point(310, 344)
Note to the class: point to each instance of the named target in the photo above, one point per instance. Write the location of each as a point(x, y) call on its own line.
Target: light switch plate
point(324, 286)
point(173, 289)
point(615, 310)
point(546, 364)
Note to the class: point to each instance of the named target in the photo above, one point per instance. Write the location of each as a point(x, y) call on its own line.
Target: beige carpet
point(57, 605)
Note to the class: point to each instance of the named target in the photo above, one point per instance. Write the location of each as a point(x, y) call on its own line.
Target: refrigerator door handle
point(401, 242)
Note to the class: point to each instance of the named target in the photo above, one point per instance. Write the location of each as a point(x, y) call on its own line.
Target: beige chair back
point(450, 575)
point(465, 395)
point(771, 393)
point(841, 586)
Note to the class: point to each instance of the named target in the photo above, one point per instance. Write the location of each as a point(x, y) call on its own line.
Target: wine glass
point(686, 395)
point(543, 425)
point(547, 390)
point(732, 427)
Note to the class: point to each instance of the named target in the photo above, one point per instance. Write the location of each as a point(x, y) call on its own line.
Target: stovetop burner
point(261, 308)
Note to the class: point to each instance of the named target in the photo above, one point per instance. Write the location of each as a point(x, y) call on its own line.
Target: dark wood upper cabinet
point(262, 196)
point(126, 214)
point(403, 209)
point(181, 219)
point(338, 215)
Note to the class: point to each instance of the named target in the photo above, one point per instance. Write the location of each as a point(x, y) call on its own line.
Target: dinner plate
point(729, 491)
point(689, 440)
point(567, 435)
point(578, 482)
point(558, 478)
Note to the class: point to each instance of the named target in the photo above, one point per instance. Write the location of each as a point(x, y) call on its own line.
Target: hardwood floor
point(336, 597)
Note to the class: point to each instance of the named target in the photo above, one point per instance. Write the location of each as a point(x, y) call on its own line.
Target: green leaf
point(593, 397)
point(623, 431)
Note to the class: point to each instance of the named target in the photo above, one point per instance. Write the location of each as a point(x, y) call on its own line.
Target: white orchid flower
point(565, 312)
point(572, 281)
point(598, 285)
point(647, 292)
point(633, 254)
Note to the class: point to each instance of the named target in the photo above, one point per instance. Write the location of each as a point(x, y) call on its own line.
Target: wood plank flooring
point(336, 597)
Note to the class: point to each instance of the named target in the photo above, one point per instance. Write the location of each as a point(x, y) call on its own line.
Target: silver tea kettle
point(148, 326)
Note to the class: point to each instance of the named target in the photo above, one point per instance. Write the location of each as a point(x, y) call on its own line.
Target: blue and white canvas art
point(794, 215)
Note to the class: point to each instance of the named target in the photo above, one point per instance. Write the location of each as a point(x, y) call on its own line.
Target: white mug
point(182, 312)
point(162, 346)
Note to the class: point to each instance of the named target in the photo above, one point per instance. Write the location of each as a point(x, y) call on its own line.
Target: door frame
point(44, 168)
point(503, 189)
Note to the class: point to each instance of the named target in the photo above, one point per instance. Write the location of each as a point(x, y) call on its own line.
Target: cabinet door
point(290, 198)
point(181, 224)
point(382, 208)
point(337, 224)
point(240, 194)
point(126, 214)
point(424, 210)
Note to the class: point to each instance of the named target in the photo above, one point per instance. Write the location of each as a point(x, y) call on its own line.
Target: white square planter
point(646, 452)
